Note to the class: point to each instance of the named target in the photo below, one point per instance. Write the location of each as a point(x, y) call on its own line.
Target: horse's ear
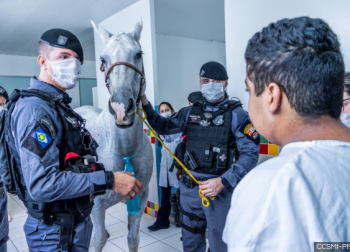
point(137, 30)
point(104, 34)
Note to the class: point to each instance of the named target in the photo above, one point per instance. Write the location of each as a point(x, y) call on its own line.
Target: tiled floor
point(167, 240)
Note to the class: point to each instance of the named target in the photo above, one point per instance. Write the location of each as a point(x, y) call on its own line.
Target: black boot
point(155, 227)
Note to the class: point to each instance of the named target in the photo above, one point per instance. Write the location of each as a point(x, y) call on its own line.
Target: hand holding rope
point(205, 201)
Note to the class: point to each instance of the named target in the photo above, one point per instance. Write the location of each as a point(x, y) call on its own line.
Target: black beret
point(195, 96)
point(213, 70)
point(63, 39)
point(4, 94)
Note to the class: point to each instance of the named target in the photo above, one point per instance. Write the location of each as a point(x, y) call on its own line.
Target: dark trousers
point(4, 224)
point(215, 215)
point(46, 238)
point(165, 208)
point(3, 248)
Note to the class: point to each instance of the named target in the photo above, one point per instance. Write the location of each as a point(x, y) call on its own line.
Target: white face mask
point(213, 91)
point(66, 72)
point(166, 114)
point(345, 118)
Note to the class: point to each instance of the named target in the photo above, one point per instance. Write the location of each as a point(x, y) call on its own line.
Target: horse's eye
point(139, 55)
point(102, 60)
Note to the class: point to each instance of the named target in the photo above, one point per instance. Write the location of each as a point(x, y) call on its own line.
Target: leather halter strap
point(142, 73)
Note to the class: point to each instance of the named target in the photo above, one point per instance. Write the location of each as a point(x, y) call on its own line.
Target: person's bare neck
point(324, 128)
point(45, 78)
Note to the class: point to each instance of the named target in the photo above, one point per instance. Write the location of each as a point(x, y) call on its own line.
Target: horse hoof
point(107, 234)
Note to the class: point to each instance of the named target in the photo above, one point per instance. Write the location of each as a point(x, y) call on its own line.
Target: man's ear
point(42, 61)
point(226, 83)
point(274, 94)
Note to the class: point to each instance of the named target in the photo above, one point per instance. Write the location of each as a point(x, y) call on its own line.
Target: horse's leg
point(134, 223)
point(98, 216)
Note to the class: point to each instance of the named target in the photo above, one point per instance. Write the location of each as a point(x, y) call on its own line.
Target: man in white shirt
point(295, 75)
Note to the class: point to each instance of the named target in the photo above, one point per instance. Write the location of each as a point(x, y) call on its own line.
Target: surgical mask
point(166, 114)
point(66, 72)
point(345, 119)
point(213, 91)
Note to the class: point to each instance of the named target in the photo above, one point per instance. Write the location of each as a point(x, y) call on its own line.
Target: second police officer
point(44, 130)
point(221, 147)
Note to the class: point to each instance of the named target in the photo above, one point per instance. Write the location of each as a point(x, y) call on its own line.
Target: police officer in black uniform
point(221, 147)
point(54, 156)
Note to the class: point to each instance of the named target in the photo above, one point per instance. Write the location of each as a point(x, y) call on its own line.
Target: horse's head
point(123, 81)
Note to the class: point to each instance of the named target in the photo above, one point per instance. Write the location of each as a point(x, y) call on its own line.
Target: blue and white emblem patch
point(41, 137)
point(62, 40)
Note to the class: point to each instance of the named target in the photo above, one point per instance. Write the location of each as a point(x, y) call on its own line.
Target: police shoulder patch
point(248, 129)
point(41, 137)
point(38, 141)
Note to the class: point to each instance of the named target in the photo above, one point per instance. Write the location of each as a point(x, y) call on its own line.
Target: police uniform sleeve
point(248, 145)
point(167, 126)
point(39, 156)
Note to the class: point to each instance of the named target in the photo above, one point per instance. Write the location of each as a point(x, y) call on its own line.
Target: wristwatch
point(225, 182)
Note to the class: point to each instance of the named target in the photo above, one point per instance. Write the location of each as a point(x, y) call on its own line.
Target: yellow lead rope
point(205, 201)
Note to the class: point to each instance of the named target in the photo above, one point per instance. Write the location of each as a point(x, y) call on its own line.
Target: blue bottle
point(134, 205)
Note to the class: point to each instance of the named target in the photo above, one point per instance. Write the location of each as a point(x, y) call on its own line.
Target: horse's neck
point(123, 142)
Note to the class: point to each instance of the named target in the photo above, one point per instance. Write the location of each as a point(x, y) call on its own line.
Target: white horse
point(118, 130)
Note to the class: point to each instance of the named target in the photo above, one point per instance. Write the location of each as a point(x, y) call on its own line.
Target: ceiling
point(23, 21)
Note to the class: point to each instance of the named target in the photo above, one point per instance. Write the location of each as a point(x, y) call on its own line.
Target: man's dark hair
point(302, 55)
point(347, 83)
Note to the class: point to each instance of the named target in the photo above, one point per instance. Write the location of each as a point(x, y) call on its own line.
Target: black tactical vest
point(209, 139)
point(75, 138)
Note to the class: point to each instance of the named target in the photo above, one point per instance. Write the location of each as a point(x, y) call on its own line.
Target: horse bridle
point(143, 78)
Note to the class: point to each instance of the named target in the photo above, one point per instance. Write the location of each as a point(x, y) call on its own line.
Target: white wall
point(24, 66)
point(244, 18)
point(179, 61)
point(125, 21)
point(12, 65)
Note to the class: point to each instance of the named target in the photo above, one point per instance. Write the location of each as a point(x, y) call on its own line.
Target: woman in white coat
point(167, 175)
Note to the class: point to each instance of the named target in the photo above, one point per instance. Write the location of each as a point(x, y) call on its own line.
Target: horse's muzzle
point(124, 118)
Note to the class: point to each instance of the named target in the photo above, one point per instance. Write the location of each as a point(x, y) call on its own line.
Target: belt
point(189, 182)
point(195, 230)
point(58, 218)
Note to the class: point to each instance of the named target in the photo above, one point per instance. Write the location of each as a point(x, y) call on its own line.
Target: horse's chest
point(111, 162)
point(114, 163)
